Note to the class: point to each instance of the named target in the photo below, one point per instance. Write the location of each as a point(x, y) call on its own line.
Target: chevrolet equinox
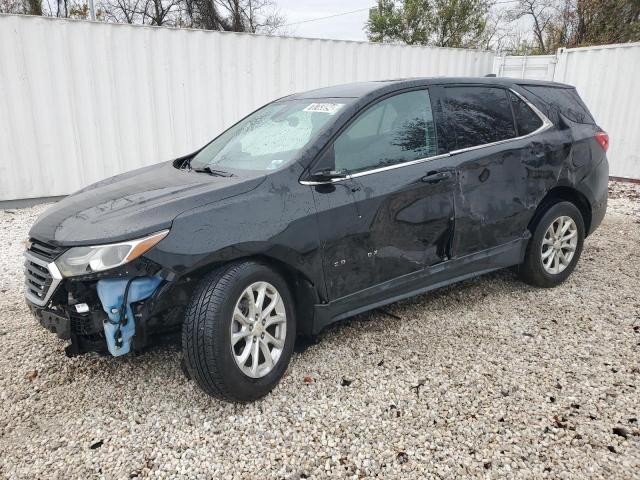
point(316, 207)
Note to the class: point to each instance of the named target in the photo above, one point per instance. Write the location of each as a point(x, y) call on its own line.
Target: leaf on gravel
point(95, 445)
point(402, 457)
point(307, 379)
point(487, 465)
point(622, 432)
point(31, 375)
point(346, 382)
point(560, 422)
point(611, 449)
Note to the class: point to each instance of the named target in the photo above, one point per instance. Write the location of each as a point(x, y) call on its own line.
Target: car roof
point(362, 89)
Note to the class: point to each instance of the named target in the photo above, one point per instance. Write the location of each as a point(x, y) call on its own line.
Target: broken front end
point(106, 299)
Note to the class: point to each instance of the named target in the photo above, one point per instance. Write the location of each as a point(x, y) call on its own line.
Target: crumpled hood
point(134, 204)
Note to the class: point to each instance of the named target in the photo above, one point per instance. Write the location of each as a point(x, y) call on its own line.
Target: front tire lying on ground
point(555, 247)
point(239, 331)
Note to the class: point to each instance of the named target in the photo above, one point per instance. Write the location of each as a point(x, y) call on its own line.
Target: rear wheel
point(239, 332)
point(555, 247)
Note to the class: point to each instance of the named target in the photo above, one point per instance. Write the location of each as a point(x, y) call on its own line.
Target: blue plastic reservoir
point(111, 293)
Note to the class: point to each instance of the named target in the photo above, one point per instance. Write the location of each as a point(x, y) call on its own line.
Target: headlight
point(84, 260)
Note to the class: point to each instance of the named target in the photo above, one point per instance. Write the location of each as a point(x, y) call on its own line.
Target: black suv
point(314, 208)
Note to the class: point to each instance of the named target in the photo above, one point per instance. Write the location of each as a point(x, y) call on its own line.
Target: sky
point(343, 27)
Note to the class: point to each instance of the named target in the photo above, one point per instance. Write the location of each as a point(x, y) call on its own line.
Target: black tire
point(532, 270)
point(206, 333)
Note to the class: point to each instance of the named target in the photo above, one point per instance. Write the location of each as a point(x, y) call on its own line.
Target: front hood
point(134, 204)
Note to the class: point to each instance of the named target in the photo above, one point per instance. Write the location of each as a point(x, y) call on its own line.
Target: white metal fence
point(607, 78)
point(534, 67)
point(81, 101)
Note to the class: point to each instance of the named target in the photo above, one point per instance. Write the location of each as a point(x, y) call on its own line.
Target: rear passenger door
point(491, 156)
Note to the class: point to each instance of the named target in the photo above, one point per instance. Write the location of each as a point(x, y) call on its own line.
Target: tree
point(595, 22)
point(255, 16)
point(443, 23)
point(120, 11)
point(25, 7)
point(576, 23)
point(540, 12)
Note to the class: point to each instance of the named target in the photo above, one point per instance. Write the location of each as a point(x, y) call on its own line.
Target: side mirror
point(324, 170)
point(327, 175)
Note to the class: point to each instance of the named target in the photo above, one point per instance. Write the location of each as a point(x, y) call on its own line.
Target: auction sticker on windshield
point(329, 108)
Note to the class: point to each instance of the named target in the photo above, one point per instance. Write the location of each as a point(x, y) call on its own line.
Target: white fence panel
point(607, 78)
point(536, 67)
point(81, 101)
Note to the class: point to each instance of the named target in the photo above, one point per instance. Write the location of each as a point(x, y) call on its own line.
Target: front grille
point(44, 251)
point(41, 278)
point(37, 279)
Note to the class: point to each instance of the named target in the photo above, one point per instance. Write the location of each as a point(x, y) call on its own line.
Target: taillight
point(603, 139)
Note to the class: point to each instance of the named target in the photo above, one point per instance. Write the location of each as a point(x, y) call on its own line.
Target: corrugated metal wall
point(607, 78)
point(82, 101)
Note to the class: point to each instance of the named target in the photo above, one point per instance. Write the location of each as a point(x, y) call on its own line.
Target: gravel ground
point(488, 378)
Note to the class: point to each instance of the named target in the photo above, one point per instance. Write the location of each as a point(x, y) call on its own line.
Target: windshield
point(269, 138)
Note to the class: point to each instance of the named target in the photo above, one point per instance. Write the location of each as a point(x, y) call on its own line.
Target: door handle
point(434, 177)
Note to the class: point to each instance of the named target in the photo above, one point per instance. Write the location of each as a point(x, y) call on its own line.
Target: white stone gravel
point(489, 378)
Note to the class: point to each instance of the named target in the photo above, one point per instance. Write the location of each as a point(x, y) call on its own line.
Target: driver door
point(393, 215)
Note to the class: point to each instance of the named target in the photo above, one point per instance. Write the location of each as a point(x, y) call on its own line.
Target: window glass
point(480, 115)
point(270, 137)
point(526, 119)
point(395, 130)
point(565, 100)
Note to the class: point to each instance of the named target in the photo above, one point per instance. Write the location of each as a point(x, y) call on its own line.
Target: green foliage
point(25, 7)
point(33, 7)
point(595, 22)
point(578, 23)
point(444, 23)
point(79, 10)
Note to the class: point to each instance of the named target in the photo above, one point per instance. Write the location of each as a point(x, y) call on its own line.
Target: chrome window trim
point(56, 278)
point(375, 170)
point(546, 124)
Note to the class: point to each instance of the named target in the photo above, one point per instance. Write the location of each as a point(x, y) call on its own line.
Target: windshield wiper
point(211, 171)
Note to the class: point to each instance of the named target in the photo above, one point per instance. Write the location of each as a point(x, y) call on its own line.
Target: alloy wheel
point(258, 329)
point(559, 245)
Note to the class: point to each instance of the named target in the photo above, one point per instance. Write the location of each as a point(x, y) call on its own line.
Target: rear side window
point(395, 130)
point(565, 100)
point(526, 119)
point(480, 115)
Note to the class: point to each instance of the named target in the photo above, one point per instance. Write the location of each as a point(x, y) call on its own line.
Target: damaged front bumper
point(85, 331)
point(108, 322)
point(112, 312)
